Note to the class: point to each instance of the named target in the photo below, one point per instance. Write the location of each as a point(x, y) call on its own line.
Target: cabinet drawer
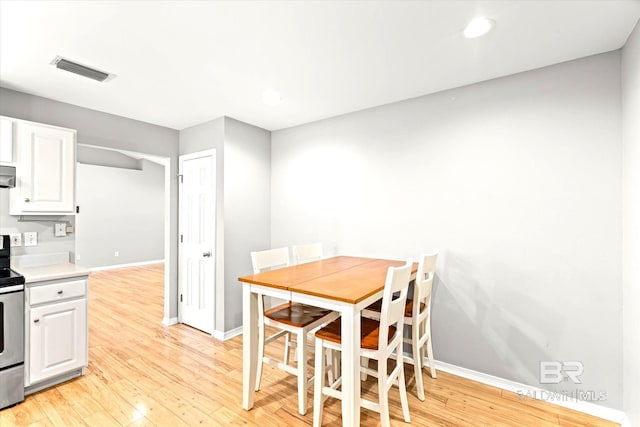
point(57, 292)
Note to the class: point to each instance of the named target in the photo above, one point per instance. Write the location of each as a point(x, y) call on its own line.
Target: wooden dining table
point(344, 284)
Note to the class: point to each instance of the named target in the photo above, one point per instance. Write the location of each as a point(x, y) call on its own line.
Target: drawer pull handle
point(59, 292)
point(27, 200)
point(36, 320)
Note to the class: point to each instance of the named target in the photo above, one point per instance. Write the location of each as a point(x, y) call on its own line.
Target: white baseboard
point(168, 321)
point(223, 336)
point(133, 264)
point(534, 392)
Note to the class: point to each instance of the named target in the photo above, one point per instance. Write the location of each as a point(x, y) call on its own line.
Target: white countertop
point(41, 267)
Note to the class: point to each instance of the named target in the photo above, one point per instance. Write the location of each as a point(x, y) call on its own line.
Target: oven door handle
point(7, 289)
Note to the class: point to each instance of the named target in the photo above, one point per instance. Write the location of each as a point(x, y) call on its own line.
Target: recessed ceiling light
point(478, 27)
point(271, 97)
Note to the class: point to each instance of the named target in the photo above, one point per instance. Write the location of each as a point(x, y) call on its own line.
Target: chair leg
point(402, 386)
point(261, 335)
point(337, 363)
point(364, 362)
point(417, 359)
point(318, 383)
point(302, 372)
point(432, 365)
point(331, 368)
point(383, 393)
point(287, 348)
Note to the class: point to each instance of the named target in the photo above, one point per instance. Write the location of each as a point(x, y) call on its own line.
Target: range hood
point(7, 176)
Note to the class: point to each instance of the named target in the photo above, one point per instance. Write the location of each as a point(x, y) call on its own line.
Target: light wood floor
point(143, 374)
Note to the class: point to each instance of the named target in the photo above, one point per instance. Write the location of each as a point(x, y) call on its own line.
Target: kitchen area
point(43, 293)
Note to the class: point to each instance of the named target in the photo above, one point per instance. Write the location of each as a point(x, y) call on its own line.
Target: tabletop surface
point(342, 278)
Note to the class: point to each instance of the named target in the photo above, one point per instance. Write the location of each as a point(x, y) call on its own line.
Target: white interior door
point(197, 240)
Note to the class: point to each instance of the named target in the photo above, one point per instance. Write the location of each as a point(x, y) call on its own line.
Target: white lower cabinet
point(56, 332)
point(58, 339)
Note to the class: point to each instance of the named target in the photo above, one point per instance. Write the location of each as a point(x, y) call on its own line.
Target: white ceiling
point(179, 64)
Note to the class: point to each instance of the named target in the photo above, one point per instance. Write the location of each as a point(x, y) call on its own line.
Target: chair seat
point(369, 333)
point(294, 314)
point(408, 308)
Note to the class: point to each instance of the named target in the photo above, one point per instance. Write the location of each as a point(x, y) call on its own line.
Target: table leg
point(350, 366)
point(249, 345)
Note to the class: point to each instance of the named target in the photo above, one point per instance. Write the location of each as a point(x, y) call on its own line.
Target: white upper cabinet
point(45, 170)
point(6, 140)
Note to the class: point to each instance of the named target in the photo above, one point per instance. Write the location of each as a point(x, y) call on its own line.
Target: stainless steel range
point(11, 330)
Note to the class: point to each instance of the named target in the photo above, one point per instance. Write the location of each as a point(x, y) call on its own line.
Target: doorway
point(104, 154)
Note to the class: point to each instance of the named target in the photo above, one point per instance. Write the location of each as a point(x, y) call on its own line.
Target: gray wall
point(108, 130)
point(206, 136)
point(631, 225)
point(43, 225)
point(242, 209)
point(102, 157)
point(247, 201)
point(120, 210)
point(515, 180)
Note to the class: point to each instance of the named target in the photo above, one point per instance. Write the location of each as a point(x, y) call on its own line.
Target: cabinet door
point(58, 339)
point(45, 170)
point(6, 140)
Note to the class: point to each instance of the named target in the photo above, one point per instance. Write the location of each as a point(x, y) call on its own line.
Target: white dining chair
point(291, 319)
point(379, 339)
point(417, 315)
point(306, 253)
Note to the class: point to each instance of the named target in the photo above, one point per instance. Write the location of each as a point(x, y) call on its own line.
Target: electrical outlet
point(116, 253)
point(31, 238)
point(60, 229)
point(16, 239)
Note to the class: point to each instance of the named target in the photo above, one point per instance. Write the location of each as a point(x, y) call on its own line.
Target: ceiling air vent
point(81, 70)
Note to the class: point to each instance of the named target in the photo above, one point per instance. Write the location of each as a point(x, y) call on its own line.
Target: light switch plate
point(60, 229)
point(31, 238)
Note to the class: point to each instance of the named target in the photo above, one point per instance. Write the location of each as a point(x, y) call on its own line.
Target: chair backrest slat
point(307, 253)
point(269, 259)
point(394, 298)
point(424, 284)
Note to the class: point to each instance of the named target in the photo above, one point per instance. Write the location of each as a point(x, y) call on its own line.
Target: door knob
point(206, 254)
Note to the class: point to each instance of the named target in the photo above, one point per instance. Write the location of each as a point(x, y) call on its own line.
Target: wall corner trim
point(168, 321)
point(133, 264)
point(224, 336)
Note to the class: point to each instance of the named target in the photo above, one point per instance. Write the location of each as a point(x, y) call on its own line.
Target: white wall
point(631, 225)
point(516, 180)
point(121, 210)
